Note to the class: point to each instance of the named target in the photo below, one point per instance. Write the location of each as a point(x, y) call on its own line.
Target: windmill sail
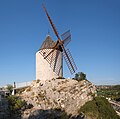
point(70, 62)
point(53, 59)
point(66, 37)
point(50, 20)
point(60, 46)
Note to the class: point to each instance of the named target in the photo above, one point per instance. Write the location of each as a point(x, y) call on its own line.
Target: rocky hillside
point(65, 94)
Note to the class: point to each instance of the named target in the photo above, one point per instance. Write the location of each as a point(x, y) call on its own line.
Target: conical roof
point(48, 43)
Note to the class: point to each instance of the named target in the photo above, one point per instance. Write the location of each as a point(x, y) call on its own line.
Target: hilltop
point(59, 99)
point(64, 94)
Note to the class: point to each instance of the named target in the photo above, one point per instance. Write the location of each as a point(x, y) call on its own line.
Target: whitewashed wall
point(43, 69)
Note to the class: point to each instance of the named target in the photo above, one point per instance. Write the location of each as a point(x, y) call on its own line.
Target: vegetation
point(99, 108)
point(19, 91)
point(9, 88)
point(112, 92)
point(16, 105)
point(80, 76)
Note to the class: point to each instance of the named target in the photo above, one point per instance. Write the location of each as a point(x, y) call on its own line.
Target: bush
point(99, 108)
point(80, 76)
point(15, 105)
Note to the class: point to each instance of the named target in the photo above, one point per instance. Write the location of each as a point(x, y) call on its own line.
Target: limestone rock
point(66, 94)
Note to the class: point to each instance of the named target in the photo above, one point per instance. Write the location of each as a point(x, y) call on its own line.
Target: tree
point(76, 76)
point(9, 88)
point(80, 76)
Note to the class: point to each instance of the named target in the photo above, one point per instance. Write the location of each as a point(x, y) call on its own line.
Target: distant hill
point(109, 91)
point(114, 87)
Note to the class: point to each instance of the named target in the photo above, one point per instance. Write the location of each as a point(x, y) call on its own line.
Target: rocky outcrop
point(66, 94)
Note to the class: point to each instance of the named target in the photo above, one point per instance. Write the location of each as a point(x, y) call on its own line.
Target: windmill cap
point(48, 43)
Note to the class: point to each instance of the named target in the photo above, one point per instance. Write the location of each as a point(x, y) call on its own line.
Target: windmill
point(54, 51)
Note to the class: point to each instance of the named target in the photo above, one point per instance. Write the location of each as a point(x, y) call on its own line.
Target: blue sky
point(95, 29)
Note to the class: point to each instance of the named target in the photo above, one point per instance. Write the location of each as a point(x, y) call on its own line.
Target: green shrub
point(80, 76)
point(16, 105)
point(99, 108)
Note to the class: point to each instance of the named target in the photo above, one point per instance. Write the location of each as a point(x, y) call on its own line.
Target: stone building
point(52, 66)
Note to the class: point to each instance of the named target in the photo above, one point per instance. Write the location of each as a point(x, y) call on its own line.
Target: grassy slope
point(99, 108)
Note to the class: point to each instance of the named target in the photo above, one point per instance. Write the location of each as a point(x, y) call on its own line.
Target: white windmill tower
point(51, 67)
point(49, 58)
